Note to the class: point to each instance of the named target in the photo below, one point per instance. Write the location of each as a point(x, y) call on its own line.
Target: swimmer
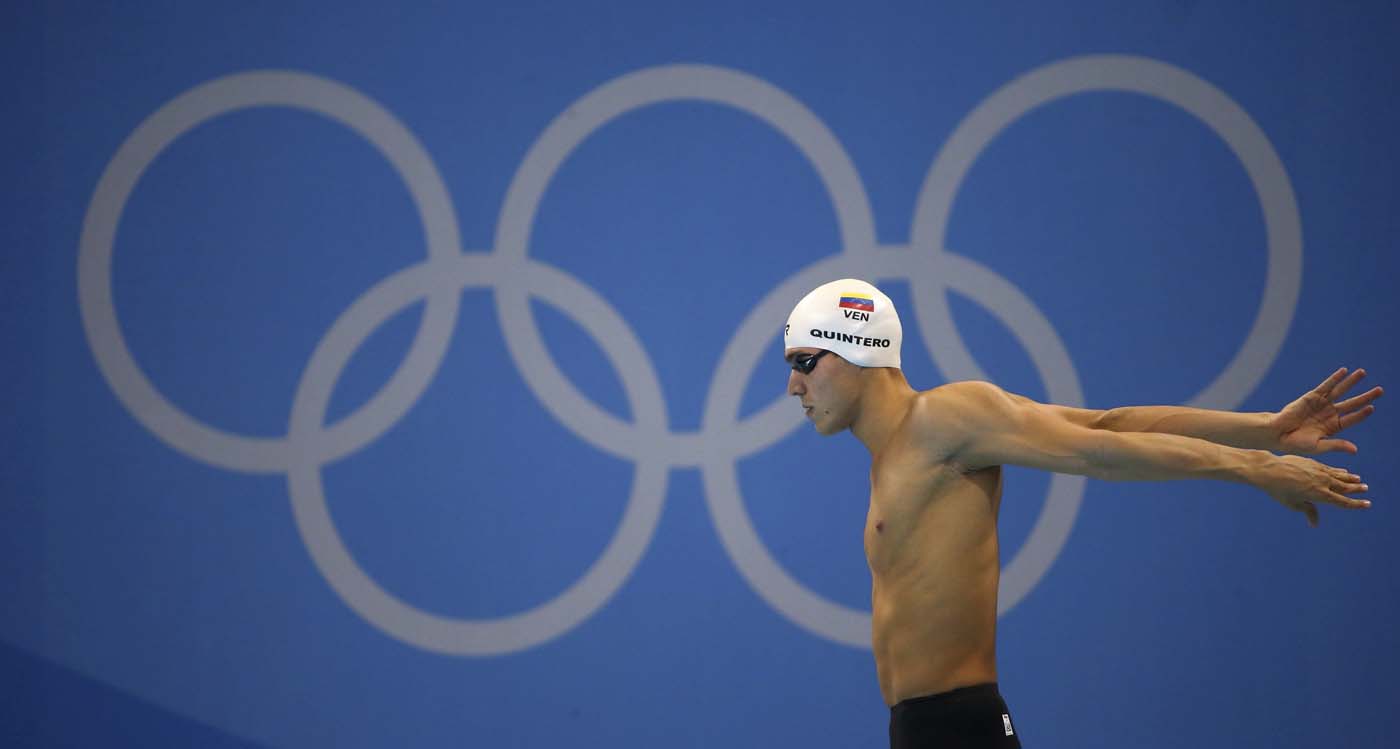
point(935, 490)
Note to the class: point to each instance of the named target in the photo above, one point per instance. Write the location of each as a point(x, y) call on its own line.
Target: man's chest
point(917, 505)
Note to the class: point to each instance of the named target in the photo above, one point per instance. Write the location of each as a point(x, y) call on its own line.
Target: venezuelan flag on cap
point(857, 301)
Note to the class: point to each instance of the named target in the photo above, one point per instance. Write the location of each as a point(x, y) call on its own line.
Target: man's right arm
point(978, 424)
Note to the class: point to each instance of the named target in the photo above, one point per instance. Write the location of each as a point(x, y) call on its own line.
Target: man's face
point(827, 391)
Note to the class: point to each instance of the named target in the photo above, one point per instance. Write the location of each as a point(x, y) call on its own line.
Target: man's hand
point(1300, 483)
point(1306, 426)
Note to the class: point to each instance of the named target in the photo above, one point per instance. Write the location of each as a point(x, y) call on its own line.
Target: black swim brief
point(966, 718)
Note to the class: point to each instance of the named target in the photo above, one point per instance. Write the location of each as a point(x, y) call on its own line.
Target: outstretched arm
point(1306, 426)
point(978, 424)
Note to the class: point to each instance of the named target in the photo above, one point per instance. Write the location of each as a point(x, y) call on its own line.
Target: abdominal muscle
point(931, 542)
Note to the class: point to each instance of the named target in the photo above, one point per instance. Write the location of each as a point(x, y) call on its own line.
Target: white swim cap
point(850, 318)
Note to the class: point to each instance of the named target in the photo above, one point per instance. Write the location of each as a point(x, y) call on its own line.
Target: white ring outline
point(673, 83)
point(765, 575)
point(1283, 233)
point(182, 114)
point(512, 267)
point(976, 131)
point(448, 635)
point(1139, 75)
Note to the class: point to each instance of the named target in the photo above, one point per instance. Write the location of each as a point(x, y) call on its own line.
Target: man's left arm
point(976, 424)
point(1307, 426)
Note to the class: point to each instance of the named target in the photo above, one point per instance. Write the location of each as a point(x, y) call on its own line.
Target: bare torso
point(931, 542)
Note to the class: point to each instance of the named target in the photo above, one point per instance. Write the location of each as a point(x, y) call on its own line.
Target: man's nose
point(796, 386)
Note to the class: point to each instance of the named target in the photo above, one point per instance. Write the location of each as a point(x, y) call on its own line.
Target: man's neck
point(883, 405)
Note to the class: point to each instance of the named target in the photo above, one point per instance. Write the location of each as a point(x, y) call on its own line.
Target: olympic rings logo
point(930, 268)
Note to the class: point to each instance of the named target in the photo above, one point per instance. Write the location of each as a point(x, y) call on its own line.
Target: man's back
point(931, 542)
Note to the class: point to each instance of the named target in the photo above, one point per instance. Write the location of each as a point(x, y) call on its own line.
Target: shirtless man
point(935, 489)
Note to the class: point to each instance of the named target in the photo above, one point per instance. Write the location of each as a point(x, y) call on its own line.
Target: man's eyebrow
point(789, 357)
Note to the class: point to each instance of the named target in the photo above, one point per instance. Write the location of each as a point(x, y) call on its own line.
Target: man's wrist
point(1264, 434)
point(1253, 467)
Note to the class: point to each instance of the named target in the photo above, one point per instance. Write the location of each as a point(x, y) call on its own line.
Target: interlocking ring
point(929, 266)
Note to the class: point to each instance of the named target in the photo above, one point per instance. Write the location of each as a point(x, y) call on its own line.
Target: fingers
point(1351, 404)
point(1340, 474)
point(1345, 502)
point(1357, 417)
point(1332, 446)
point(1343, 483)
point(1310, 510)
point(1341, 386)
point(1342, 488)
point(1329, 385)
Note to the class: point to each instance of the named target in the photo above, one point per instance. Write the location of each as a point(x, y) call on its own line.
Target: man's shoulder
point(957, 398)
point(949, 412)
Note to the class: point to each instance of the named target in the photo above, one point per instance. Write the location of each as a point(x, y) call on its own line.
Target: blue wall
point(384, 376)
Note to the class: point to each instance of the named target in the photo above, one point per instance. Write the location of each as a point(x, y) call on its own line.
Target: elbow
point(1107, 420)
point(1100, 457)
point(1103, 472)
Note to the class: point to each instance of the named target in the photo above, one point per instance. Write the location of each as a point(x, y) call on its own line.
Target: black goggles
point(805, 363)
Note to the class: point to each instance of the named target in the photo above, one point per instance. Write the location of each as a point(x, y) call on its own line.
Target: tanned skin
point(935, 488)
